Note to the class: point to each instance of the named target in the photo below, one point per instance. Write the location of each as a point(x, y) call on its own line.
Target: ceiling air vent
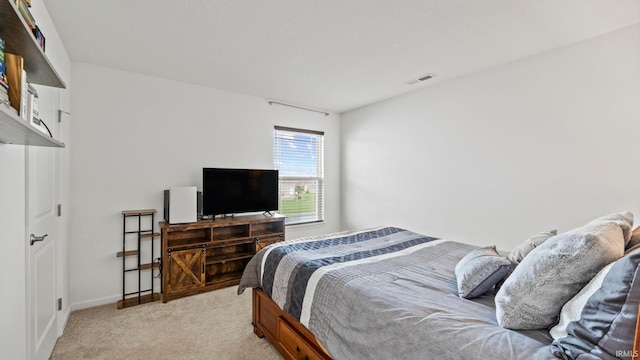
point(420, 79)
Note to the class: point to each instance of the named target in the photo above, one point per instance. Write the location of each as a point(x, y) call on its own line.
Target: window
point(299, 157)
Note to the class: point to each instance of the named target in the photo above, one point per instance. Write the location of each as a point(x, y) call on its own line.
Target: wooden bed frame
point(636, 341)
point(292, 340)
point(295, 342)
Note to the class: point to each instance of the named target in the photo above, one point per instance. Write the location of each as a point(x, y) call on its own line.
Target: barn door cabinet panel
point(185, 270)
point(212, 254)
point(262, 241)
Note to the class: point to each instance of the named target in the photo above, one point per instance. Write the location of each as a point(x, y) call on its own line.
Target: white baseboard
point(63, 319)
point(95, 302)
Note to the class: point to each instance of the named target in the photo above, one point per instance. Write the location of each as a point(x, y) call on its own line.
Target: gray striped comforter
point(386, 293)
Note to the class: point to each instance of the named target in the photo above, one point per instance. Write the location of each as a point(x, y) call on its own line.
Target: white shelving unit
point(20, 41)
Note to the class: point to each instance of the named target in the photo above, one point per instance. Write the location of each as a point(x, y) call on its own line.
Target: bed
point(389, 293)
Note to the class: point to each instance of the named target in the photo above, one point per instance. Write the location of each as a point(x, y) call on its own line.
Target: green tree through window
point(299, 157)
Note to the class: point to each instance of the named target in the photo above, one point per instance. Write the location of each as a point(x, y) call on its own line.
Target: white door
point(42, 224)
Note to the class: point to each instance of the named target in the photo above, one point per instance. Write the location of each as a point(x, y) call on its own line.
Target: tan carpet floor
point(213, 325)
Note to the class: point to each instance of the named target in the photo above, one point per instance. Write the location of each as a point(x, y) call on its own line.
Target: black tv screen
point(232, 191)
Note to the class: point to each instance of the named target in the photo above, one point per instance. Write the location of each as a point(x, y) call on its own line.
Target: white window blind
point(299, 157)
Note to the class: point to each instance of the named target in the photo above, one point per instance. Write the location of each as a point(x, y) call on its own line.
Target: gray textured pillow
point(552, 273)
point(479, 270)
point(607, 322)
point(520, 251)
point(623, 219)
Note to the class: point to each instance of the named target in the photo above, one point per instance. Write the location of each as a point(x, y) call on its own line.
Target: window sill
point(307, 223)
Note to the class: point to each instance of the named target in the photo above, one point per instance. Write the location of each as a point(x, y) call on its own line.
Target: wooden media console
point(211, 254)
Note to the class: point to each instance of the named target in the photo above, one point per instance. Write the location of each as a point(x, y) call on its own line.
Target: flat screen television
point(233, 191)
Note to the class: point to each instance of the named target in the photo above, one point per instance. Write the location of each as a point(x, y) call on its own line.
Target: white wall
point(136, 135)
point(547, 142)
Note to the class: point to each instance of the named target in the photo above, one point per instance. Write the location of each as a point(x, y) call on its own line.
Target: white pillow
point(572, 310)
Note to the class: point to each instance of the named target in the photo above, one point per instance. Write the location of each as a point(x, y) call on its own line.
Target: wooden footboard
point(636, 341)
point(284, 332)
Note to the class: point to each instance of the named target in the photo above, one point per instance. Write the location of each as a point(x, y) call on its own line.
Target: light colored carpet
point(213, 325)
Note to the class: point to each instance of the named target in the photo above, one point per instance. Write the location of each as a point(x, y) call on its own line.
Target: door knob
point(34, 238)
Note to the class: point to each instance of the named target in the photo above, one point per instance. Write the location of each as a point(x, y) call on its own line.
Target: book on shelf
point(32, 113)
point(3, 66)
point(39, 37)
point(26, 14)
point(4, 86)
point(4, 97)
point(17, 81)
point(23, 95)
point(23, 8)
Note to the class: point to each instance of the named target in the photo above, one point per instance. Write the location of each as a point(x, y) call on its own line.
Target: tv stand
point(212, 254)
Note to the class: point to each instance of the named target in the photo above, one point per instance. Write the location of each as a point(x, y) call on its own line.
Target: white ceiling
point(333, 55)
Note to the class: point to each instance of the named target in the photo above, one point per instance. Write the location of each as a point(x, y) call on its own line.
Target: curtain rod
point(297, 107)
